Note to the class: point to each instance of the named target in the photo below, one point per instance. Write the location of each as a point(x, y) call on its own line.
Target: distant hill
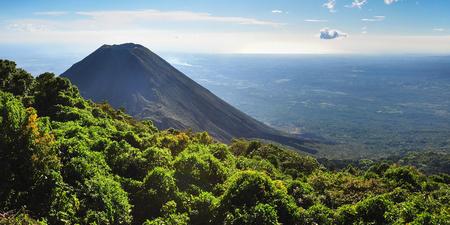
point(133, 77)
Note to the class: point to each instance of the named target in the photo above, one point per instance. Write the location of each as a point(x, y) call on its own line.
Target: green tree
point(248, 188)
point(302, 192)
point(201, 208)
point(374, 209)
point(406, 177)
point(51, 91)
point(106, 202)
point(319, 214)
point(199, 169)
point(157, 189)
point(261, 214)
point(30, 162)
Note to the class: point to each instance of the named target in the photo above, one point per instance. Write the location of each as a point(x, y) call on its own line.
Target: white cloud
point(280, 81)
point(178, 62)
point(374, 19)
point(397, 44)
point(357, 4)
point(166, 33)
point(316, 21)
point(179, 16)
point(27, 26)
point(126, 21)
point(388, 2)
point(328, 34)
point(83, 41)
point(330, 5)
point(51, 13)
point(439, 29)
point(277, 11)
point(364, 30)
point(168, 30)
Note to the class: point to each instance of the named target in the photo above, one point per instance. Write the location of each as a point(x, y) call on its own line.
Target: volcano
point(132, 77)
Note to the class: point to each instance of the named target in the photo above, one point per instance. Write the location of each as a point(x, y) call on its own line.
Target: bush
point(346, 215)
point(319, 214)
point(302, 192)
point(406, 177)
point(157, 189)
point(373, 209)
point(199, 170)
point(261, 214)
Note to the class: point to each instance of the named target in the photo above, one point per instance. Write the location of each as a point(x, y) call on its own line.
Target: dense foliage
point(66, 160)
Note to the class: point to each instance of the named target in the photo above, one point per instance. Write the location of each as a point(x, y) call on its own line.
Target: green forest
point(67, 160)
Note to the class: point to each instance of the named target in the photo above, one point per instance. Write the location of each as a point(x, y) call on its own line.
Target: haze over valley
point(365, 105)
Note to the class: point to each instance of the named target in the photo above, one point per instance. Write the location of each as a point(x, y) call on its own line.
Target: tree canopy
point(67, 160)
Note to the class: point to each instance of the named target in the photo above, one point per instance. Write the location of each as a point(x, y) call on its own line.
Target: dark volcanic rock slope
point(133, 77)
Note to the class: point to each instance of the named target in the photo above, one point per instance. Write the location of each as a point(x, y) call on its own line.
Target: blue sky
point(233, 26)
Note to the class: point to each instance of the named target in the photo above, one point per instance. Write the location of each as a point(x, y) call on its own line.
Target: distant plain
point(361, 106)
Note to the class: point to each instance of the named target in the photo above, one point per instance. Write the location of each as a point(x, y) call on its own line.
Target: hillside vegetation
point(66, 160)
point(132, 77)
